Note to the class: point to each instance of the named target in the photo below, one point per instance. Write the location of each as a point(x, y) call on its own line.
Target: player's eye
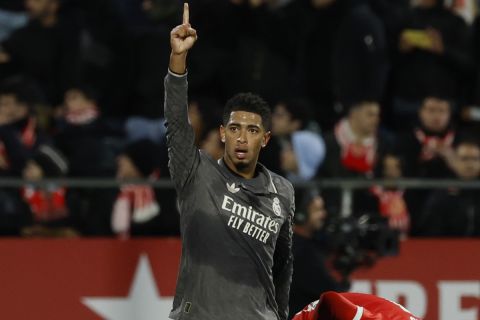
point(233, 129)
point(253, 130)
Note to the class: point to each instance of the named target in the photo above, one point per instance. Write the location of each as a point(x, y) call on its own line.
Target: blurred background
point(376, 120)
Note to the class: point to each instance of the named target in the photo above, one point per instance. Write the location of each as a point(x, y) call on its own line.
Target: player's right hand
point(183, 36)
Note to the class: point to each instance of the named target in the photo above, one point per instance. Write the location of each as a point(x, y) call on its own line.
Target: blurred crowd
point(358, 88)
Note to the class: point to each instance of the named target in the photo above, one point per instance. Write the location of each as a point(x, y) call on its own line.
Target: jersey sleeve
point(283, 263)
point(183, 155)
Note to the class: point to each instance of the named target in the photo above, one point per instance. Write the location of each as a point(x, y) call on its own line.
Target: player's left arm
point(283, 263)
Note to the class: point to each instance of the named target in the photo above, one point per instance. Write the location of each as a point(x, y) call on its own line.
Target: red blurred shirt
point(353, 306)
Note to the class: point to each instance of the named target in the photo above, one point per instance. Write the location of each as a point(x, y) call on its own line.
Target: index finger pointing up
point(186, 13)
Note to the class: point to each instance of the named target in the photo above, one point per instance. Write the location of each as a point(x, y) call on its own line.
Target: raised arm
point(182, 152)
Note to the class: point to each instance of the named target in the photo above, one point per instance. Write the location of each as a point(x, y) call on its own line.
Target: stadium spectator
point(427, 148)
point(426, 151)
point(455, 212)
point(20, 134)
point(82, 134)
point(353, 149)
point(48, 204)
point(84, 138)
point(47, 48)
point(433, 56)
point(354, 146)
point(311, 274)
point(343, 55)
point(302, 150)
point(135, 204)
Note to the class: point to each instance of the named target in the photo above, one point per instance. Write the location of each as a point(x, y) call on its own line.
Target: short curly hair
point(248, 102)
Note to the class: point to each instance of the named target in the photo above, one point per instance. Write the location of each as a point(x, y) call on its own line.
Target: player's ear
point(266, 137)
point(222, 133)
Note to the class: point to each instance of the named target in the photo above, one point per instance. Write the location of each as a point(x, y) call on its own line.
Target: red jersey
point(353, 306)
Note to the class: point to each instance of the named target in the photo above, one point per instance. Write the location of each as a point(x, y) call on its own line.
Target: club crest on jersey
point(277, 209)
point(232, 188)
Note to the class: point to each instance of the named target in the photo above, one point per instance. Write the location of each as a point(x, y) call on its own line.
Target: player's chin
point(241, 163)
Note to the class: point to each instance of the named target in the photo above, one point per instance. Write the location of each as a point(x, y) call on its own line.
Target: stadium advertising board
point(89, 279)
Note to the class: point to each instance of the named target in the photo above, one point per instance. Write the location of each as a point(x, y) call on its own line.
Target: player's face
point(244, 136)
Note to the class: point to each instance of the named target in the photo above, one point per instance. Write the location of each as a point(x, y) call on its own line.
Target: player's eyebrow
point(238, 124)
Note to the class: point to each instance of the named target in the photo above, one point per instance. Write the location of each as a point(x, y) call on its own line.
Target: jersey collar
point(266, 187)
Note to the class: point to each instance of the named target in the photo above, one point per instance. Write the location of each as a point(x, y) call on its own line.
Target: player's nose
point(242, 137)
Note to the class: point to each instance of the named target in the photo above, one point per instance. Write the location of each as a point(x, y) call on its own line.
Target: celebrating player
point(236, 215)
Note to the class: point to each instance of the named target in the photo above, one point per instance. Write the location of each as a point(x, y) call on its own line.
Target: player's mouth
point(241, 153)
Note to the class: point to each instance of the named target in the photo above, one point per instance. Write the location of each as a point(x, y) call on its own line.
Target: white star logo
point(143, 301)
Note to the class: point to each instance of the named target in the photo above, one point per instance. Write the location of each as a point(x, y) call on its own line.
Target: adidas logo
point(232, 188)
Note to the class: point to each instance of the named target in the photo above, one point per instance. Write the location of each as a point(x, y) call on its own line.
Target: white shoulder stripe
point(359, 314)
point(271, 182)
point(273, 185)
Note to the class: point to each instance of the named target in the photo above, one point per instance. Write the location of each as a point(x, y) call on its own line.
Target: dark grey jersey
point(236, 233)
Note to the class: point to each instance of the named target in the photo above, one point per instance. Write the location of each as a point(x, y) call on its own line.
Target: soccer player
point(353, 306)
point(235, 215)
